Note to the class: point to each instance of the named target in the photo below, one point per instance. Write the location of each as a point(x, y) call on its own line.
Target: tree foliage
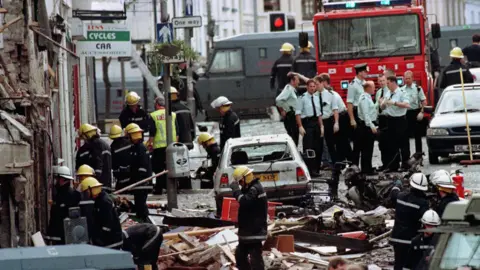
point(155, 58)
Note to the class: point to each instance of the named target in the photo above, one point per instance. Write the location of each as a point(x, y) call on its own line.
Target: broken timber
point(331, 240)
point(203, 222)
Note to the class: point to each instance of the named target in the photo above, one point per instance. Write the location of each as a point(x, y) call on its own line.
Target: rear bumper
point(446, 144)
point(275, 194)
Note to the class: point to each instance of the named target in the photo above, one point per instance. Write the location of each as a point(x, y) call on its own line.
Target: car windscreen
point(368, 37)
point(462, 250)
point(257, 153)
point(452, 101)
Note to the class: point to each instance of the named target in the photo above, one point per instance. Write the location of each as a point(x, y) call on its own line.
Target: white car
point(274, 159)
point(476, 74)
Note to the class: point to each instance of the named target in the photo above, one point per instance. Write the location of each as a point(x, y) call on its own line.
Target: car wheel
point(433, 158)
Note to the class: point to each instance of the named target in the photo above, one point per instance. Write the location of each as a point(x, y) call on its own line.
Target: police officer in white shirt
point(309, 121)
point(286, 103)
point(395, 104)
point(382, 119)
point(367, 113)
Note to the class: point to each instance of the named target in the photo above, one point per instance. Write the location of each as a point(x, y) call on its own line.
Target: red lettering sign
point(95, 27)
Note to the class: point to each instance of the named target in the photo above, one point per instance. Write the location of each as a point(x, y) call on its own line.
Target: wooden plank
point(229, 254)
point(188, 240)
point(10, 23)
point(169, 236)
point(331, 240)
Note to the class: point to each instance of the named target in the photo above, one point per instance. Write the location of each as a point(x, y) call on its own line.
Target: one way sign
point(164, 33)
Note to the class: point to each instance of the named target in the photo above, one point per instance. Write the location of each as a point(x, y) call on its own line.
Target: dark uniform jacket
point(409, 209)
point(181, 85)
point(141, 237)
point(213, 153)
point(83, 155)
point(87, 208)
point(229, 127)
point(305, 64)
point(280, 69)
point(101, 161)
point(252, 212)
point(141, 166)
point(107, 231)
point(442, 204)
point(141, 118)
point(186, 127)
point(64, 198)
point(120, 148)
point(420, 251)
point(451, 75)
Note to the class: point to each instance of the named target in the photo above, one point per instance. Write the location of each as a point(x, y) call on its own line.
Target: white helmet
point(442, 178)
point(220, 101)
point(430, 217)
point(62, 171)
point(419, 181)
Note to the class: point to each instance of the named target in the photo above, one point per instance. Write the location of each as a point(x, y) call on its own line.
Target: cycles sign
point(106, 40)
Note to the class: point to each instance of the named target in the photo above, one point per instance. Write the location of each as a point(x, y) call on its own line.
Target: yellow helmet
point(88, 130)
point(133, 128)
point(204, 137)
point(115, 132)
point(85, 170)
point(456, 53)
point(132, 98)
point(240, 172)
point(287, 47)
point(89, 182)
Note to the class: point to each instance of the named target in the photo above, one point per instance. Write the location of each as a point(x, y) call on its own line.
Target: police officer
point(120, 148)
point(106, 229)
point(143, 241)
point(309, 121)
point(186, 127)
point(83, 153)
point(305, 64)
point(395, 104)
point(207, 141)
point(281, 68)
point(252, 218)
point(450, 75)
point(355, 89)
point(100, 157)
point(382, 120)
point(286, 103)
point(410, 207)
point(367, 113)
point(472, 52)
point(230, 123)
point(133, 112)
point(64, 197)
point(158, 141)
point(417, 101)
point(445, 188)
point(424, 243)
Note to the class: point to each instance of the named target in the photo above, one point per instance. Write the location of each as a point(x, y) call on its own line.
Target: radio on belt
point(177, 160)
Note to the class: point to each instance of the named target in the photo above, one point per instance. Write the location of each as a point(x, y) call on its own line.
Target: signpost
point(187, 22)
point(164, 32)
point(106, 40)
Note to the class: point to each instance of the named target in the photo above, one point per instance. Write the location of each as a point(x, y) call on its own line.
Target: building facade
point(446, 12)
point(472, 12)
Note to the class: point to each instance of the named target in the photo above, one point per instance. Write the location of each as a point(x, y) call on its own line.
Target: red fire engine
point(385, 34)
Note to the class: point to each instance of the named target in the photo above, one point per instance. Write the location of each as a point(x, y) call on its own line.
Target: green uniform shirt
point(397, 96)
point(367, 111)
point(287, 100)
point(355, 89)
point(415, 95)
point(328, 104)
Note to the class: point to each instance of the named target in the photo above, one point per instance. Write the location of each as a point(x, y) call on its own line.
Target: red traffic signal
point(278, 22)
point(281, 22)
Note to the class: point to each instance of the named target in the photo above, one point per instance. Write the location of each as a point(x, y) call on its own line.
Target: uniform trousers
point(415, 128)
point(312, 143)
point(356, 139)
point(254, 249)
point(140, 198)
point(291, 126)
point(398, 143)
point(401, 252)
point(366, 140)
point(159, 157)
point(329, 138)
point(383, 139)
point(342, 143)
point(149, 256)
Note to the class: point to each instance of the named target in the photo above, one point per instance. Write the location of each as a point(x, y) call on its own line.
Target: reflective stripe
point(152, 239)
point(395, 188)
point(115, 244)
point(87, 202)
point(121, 149)
point(98, 171)
point(305, 61)
point(454, 71)
point(262, 195)
point(124, 167)
point(84, 153)
point(124, 180)
point(106, 229)
point(142, 169)
point(53, 238)
point(408, 204)
point(253, 237)
point(401, 241)
point(182, 111)
point(182, 77)
point(62, 205)
point(237, 122)
point(284, 65)
point(240, 197)
point(136, 119)
point(106, 152)
point(424, 247)
point(126, 234)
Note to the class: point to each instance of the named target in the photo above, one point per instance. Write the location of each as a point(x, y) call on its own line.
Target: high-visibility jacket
point(160, 139)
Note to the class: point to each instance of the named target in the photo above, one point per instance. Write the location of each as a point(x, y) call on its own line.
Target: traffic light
point(281, 22)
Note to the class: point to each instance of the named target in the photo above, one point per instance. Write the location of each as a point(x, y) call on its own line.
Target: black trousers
point(329, 137)
point(140, 198)
point(415, 128)
point(123, 179)
point(367, 140)
point(342, 142)
point(149, 256)
point(356, 138)
point(159, 157)
point(401, 252)
point(291, 126)
point(312, 144)
point(398, 143)
point(254, 249)
point(383, 139)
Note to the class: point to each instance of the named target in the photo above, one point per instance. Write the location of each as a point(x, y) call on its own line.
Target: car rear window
point(257, 153)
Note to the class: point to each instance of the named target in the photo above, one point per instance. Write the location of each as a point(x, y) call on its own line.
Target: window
point(234, 32)
point(461, 249)
point(369, 37)
point(309, 9)
point(225, 32)
point(262, 53)
point(472, 17)
point(453, 43)
point(251, 154)
point(227, 61)
point(271, 5)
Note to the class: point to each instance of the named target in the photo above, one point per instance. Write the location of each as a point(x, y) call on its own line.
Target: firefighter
point(286, 103)
point(64, 197)
point(355, 89)
point(213, 152)
point(445, 188)
point(186, 131)
point(120, 148)
point(367, 126)
point(305, 64)
point(158, 141)
point(106, 230)
point(281, 68)
point(409, 209)
point(86, 204)
point(450, 75)
point(140, 168)
point(252, 218)
point(395, 104)
point(309, 121)
point(382, 120)
point(101, 157)
point(83, 153)
point(143, 241)
point(83, 172)
point(133, 112)
point(472, 52)
point(230, 123)
point(181, 85)
point(423, 244)
point(417, 101)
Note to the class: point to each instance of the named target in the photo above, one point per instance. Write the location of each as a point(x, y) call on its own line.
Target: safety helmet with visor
point(430, 217)
point(419, 181)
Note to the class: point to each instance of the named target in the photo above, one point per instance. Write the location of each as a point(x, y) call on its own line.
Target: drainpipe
point(63, 97)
